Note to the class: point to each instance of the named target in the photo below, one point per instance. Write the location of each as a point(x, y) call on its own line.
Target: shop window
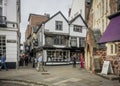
point(2, 45)
point(57, 56)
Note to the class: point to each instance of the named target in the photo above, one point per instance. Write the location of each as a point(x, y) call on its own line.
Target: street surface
point(56, 76)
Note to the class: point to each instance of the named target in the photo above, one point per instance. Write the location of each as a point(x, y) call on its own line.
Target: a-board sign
point(107, 68)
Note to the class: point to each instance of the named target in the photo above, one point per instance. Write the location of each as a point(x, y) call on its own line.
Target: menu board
point(107, 68)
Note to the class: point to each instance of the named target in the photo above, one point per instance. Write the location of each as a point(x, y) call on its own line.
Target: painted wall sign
point(11, 41)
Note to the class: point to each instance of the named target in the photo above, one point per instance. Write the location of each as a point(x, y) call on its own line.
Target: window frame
point(2, 44)
point(77, 28)
point(59, 25)
point(73, 40)
point(111, 48)
point(82, 42)
point(59, 40)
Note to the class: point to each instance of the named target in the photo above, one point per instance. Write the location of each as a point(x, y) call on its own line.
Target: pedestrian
point(74, 61)
point(26, 60)
point(81, 61)
point(39, 63)
point(3, 64)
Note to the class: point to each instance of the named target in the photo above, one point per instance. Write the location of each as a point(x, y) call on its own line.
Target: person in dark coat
point(3, 64)
point(74, 58)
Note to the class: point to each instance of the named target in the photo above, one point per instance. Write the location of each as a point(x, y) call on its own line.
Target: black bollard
point(33, 63)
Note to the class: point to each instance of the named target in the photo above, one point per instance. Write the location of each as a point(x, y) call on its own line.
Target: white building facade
point(53, 39)
point(59, 39)
point(77, 35)
point(10, 31)
point(78, 7)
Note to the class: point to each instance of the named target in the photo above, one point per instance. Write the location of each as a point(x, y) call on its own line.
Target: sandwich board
point(107, 68)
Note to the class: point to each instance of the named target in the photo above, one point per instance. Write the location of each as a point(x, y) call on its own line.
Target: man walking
point(39, 64)
point(74, 60)
point(3, 64)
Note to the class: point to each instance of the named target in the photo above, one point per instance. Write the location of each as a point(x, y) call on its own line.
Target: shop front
point(57, 57)
point(77, 52)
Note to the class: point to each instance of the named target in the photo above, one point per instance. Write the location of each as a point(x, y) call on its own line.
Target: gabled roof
point(59, 12)
point(76, 18)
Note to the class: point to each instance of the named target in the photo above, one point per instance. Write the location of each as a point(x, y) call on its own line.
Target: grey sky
point(41, 7)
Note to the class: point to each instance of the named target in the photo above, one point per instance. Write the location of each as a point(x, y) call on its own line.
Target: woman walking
point(81, 61)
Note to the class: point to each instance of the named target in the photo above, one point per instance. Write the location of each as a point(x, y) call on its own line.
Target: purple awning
point(112, 32)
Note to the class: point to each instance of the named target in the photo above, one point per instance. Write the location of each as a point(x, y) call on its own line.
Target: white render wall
point(10, 10)
point(77, 6)
point(78, 21)
point(11, 48)
point(50, 25)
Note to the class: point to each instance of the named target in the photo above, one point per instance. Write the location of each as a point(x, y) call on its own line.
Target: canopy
point(112, 32)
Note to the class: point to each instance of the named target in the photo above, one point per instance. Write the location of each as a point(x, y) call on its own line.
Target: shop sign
point(11, 41)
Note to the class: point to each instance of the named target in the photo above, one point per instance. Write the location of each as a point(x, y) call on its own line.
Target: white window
point(2, 44)
point(111, 49)
point(82, 42)
point(59, 40)
point(74, 41)
point(77, 28)
point(59, 25)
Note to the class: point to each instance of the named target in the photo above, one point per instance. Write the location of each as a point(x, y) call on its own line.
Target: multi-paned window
point(82, 42)
point(59, 40)
point(57, 55)
point(111, 49)
point(0, 7)
point(2, 44)
point(59, 25)
point(74, 41)
point(77, 28)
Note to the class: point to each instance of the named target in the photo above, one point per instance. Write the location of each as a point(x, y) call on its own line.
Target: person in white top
point(39, 63)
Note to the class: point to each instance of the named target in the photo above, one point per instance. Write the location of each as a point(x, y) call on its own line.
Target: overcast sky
point(41, 7)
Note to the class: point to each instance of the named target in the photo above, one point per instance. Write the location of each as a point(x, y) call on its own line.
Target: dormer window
point(59, 25)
